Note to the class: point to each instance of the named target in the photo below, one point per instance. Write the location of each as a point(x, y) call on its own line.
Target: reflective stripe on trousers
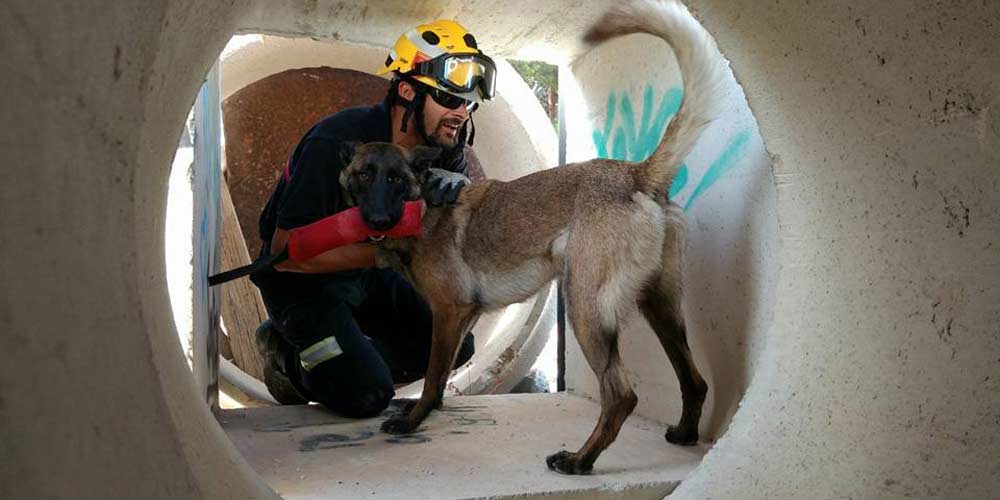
point(319, 352)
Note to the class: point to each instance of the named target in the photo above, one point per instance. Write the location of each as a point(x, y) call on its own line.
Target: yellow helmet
point(445, 56)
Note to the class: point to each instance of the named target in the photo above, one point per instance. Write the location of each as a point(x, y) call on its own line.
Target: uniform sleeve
point(314, 189)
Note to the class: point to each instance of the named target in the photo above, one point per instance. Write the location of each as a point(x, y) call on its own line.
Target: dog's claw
point(397, 425)
point(675, 435)
point(566, 462)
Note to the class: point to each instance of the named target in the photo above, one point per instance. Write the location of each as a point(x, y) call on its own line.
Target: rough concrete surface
point(474, 447)
point(877, 379)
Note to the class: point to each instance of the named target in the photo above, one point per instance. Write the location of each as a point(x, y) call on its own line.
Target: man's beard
point(442, 134)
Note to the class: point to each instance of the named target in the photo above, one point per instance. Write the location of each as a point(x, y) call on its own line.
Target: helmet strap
point(472, 129)
point(411, 105)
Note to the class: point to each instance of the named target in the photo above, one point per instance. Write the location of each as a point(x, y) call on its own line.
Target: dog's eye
point(395, 179)
point(364, 176)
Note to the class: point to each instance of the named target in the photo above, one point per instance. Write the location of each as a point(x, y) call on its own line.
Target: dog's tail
point(702, 68)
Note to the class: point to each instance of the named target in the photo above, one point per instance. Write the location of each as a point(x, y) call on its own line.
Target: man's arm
point(311, 194)
point(356, 256)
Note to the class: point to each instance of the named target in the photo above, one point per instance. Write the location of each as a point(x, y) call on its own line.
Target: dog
point(604, 227)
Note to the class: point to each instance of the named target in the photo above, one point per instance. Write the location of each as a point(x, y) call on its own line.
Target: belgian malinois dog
point(604, 227)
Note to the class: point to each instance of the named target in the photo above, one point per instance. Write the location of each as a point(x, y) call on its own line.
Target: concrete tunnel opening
point(263, 83)
point(874, 377)
point(272, 89)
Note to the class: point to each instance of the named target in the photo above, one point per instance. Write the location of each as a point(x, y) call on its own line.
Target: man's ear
point(405, 90)
point(421, 157)
point(347, 150)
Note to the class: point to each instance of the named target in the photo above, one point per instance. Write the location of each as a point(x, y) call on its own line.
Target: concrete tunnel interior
point(871, 366)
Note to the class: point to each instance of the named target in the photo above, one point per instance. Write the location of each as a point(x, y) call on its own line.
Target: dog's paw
point(675, 435)
point(398, 425)
point(566, 462)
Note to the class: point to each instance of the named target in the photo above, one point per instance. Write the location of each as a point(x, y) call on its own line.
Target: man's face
point(442, 124)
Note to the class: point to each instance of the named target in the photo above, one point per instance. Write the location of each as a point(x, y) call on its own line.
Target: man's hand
point(442, 187)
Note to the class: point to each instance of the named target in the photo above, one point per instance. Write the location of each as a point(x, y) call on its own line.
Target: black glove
point(442, 187)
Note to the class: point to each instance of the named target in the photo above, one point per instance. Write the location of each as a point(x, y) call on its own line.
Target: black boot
point(277, 355)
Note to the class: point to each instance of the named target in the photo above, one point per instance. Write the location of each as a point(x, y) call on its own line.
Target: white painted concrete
point(206, 231)
point(877, 377)
point(179, 247)
point(620, 97)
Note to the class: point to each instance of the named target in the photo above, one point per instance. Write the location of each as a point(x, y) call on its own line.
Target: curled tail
point(702, 69)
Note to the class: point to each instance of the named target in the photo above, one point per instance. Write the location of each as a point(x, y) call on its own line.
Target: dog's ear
point(347, 150)
point(421, 158)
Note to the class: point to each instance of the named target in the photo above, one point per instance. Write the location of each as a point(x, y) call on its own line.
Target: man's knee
point(304, 325)
point(372, 403)
point(363, 404)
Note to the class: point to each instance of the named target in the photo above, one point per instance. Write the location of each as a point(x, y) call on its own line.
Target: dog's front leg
point(450, 325)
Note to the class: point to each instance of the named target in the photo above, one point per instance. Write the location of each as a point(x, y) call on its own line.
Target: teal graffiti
point(680, 180)
point(721, 165)
point(629, 141)
point(635, 141)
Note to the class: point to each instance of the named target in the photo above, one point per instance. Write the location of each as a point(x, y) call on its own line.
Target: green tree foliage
point(543, 78)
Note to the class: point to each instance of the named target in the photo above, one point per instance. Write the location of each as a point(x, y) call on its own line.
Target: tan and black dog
point(604, 227)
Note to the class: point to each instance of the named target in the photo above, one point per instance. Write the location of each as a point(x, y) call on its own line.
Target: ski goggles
point(472, 76)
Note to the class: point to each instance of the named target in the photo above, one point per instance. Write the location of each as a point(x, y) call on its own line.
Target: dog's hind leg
point(660, 303)
point(665, 318)
point(600, 347)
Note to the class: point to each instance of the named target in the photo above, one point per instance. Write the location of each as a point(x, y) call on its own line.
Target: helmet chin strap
point(414, 107)
point(472, 129)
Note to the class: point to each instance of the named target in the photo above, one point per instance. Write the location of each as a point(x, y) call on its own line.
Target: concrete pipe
point(876, 378)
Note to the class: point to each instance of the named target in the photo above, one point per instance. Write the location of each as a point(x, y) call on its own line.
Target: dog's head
point(379, 177)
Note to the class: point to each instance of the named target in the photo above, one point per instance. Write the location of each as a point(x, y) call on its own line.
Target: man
point(341, 332)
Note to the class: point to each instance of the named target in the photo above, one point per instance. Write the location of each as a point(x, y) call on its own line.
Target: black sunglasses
point(451, 101)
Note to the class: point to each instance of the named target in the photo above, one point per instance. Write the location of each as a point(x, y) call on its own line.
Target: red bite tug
point(346, 227)
point(339, 229)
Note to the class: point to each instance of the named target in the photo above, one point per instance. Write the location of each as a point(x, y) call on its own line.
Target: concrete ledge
point(475, 447)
